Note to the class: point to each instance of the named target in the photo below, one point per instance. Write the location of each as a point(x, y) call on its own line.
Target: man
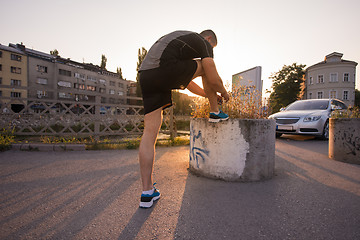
point(172, 63)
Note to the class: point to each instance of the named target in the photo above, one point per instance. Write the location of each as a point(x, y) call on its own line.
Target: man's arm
point(213, 77)
point(194, 88)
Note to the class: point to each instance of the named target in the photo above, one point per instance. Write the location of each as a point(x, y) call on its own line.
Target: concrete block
point(344, 140)
point(69, 147)
point(233, 150)
point(46, 147)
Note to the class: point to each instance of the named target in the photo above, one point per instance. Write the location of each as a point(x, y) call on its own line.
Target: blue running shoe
point(218, 117)
point(147, 200)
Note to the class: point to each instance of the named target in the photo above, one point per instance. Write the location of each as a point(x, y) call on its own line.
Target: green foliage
point(103, 62)
point(357, 98)
point(53, 139)
point(55, 52)
point(349, 113)
point(141, 56)
point(6, 139)
point(287, 86)
point(119, 71)
point(181, 102)
point(133, 143)
point(183, 125)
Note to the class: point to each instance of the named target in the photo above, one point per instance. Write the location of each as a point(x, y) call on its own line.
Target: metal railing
point(42, 117)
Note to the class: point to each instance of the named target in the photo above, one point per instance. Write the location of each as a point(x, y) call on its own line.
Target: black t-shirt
point(175, 46)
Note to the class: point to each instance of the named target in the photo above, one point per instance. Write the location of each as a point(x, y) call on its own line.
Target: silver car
point(310, 117)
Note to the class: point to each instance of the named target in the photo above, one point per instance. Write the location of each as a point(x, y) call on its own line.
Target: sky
point(266, 33)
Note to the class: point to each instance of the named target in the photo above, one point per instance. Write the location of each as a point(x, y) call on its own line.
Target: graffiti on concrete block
point(198, 152)
point(351, 142)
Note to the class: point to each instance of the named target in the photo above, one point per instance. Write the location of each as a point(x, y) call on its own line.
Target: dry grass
point(348, 113)
point(244, 103)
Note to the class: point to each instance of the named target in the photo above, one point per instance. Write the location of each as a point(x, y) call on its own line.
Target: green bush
point(349, 113)
point(6, 139)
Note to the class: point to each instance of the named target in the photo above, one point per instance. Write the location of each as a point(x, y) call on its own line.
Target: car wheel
point(325, 135)
point(278, 135)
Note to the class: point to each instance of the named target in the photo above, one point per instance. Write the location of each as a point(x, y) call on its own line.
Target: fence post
point(173, 132)
point(97, 118)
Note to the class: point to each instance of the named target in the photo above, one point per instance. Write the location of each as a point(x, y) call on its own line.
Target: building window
point(121, 93)
point(310, 95)
point(346, 95)
point(78, 75)
point(0, 80)
point(64, 84)
point(42, 81)
point(15, 94)
point(333, 77)
point(332, 94)
point(91, 78)
point(79, 86)
point(320, 95)
point(112, 83)
point(16, 57)
point(41, 94)
point(0, 54)
point(15, 82)
point(102, 90)
point(0, 93)
point(64, 95)
point(121, 85)
point(311, 81)
point(91, 88)
point(65, 72)
point(346, 77)
point(15, 70)
point(320, 78)
point(0, 67)
point(111, 91)
point(42, 69)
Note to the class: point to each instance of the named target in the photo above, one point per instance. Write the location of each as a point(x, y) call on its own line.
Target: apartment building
point(13, 77)
point(332, 78)
point(57, 78)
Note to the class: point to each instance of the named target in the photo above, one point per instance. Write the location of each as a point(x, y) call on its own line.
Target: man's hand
point(226, 96)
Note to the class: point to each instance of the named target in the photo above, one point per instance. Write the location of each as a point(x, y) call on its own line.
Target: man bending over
point(172, 63)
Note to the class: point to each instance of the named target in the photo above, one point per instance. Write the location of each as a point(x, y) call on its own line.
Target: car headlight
point(312, 118)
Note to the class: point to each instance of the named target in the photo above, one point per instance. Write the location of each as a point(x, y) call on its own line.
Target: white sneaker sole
point(212, 120)
point(149, 204)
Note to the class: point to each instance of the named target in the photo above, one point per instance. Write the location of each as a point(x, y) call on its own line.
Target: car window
point(308, 105)
point(338, 105)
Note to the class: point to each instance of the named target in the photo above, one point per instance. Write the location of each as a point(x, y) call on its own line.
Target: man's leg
point(210, 93)
point(152, 122)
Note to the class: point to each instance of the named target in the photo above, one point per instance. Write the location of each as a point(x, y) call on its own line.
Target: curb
point(39, 147)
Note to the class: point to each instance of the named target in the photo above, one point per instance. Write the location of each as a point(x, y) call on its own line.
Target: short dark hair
point(209, 33)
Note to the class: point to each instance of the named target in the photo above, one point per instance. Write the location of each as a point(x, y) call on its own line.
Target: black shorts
point(156, 84)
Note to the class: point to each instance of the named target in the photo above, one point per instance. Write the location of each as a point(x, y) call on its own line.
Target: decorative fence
point(42, 117)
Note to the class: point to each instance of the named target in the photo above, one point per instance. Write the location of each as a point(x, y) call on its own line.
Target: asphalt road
point(95, 195)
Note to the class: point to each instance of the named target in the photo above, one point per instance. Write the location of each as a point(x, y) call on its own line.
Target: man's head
point(210, 36)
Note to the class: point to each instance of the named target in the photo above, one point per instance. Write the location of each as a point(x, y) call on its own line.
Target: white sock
point(149, 192)
point(216, 112)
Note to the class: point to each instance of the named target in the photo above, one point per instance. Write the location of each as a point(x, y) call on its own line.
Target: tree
point(55, 52)
point(181, 102)
point(103, 62)
point(141, 56)
point(287, 84)
point(357, 98)
point(119, 71)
